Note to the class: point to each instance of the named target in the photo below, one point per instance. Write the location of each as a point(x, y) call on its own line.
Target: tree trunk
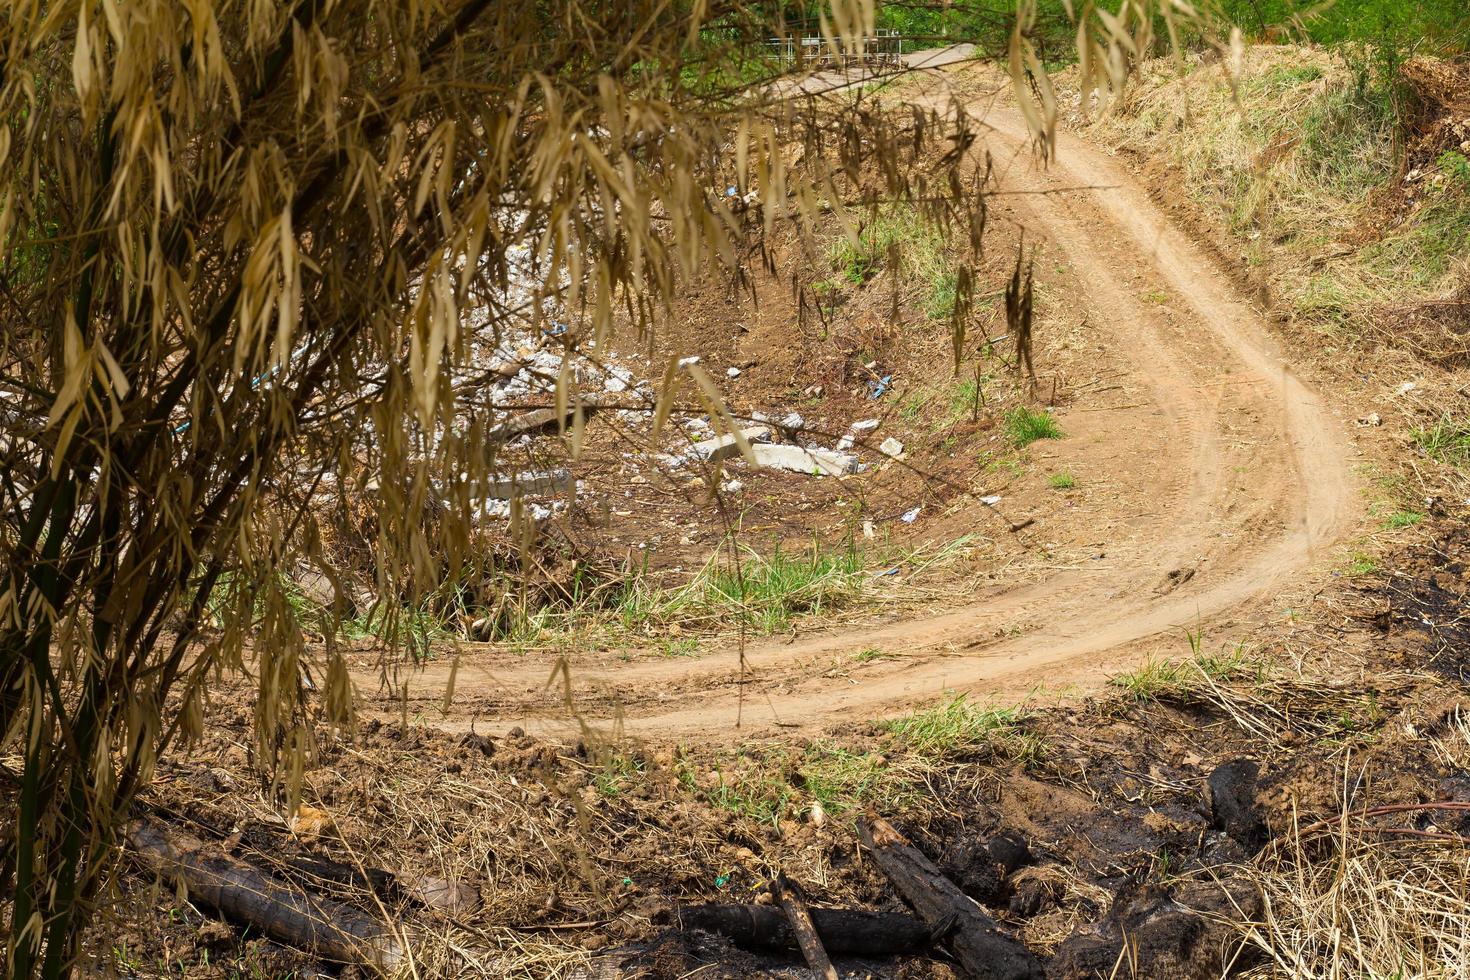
point(982, 950)
point(282, 911)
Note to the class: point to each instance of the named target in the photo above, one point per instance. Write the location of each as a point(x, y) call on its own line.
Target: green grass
point(767, 592)
point(771, 785)
point(1061, 481)
point(1024, 426)
point(1168, 679)
point(1361, 563)
point(898, 235)
point(1447, 441)
point(871, 654)
point(1402, 519)
point(939, 297)
point(617, 775)
point(685, 647)
point(960, 726)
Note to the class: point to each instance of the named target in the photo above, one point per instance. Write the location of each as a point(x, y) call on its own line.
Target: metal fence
point(881, 50)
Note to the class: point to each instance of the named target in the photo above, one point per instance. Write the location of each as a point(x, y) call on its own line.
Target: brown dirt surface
point(1220, 496)
point(1231, 484)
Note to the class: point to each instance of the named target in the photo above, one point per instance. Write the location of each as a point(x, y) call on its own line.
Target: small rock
point(793, 422)
point(1372, 418)
point(991, 500)
point(912, 515)
point(733, 372)
point(866, 425)
point(688, 361)
point(891, 447)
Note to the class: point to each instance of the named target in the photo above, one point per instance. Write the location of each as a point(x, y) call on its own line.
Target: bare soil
point(1231, 488)
point(1219, 495)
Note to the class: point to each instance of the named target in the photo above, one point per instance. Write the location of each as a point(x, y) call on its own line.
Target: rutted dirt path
point(1239, 477)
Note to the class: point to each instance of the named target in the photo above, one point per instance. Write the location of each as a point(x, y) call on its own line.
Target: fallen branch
point(245, 895)
point(983, 951)
point(844, 932)
point(802, 928)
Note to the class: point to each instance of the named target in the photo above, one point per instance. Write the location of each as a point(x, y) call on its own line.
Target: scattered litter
point(618, 379)
point(801, 459)
point(551, 481)
point(868, 530)
point(1371, 419)
point(726, 447)
point(890, 571)
point(891, 447)
point(991, 500)
point(733, 372)
point(876, 389)
point(813, 391)
point(866, 425)
point(1406, 387)
point(911, 516)
point(793, 422)
point(844, 443)
point(732, 486)
point(688, 361)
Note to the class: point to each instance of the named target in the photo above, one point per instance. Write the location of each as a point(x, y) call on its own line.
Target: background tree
point(251, 244)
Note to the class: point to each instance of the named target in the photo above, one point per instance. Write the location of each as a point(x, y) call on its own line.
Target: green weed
point(1023, 426)
point(1160, 680)
point(1361, 563)
point(685, 647)
point(959, 726)
point(1061, 481)
point(1402, 519)
point(1447, 441)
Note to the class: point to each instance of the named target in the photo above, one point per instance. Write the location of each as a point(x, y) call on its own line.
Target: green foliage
point(1455, 166)
point(1159, 680)
point(1061, 481)
point(1402, 519)
point(985, 23)
point(960, 726)
point(767, 591)
point(1024, 426)
point(1347, 136)
point(776, 784)
point(1447, 441)
point(1439, 25)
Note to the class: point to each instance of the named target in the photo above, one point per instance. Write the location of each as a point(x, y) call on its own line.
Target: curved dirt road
point(1241, 476)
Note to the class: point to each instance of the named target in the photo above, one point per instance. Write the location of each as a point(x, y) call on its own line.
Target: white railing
point(883, 49)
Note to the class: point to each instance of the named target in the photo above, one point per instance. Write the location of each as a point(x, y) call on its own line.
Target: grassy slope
point(1303, 174)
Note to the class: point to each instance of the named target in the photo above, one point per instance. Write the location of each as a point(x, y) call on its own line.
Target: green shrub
point(1023, 426)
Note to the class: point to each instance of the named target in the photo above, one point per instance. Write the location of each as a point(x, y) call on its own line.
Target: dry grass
point(1343, 901)
point(1293, 163)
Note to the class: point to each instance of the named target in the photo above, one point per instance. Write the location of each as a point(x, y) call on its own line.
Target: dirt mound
point(1440, 119)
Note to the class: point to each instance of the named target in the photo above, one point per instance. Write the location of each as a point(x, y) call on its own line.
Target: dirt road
point(1239, 482)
